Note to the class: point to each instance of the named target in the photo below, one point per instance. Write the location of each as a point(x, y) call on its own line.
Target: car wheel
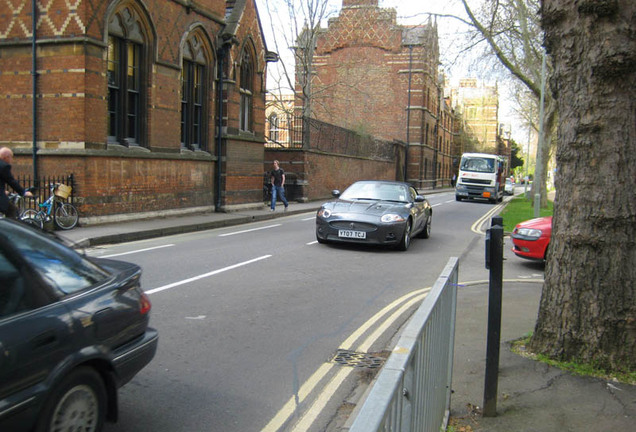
point(457, 198)
point(426, 233)
point(406, 238)
point(76, 403)
point(321, 241)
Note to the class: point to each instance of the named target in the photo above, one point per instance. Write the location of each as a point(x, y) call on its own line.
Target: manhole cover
point(356, 359)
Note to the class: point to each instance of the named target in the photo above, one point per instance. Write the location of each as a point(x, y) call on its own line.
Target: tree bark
point(588, 306)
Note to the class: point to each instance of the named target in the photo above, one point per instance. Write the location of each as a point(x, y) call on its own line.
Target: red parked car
point(532, 238)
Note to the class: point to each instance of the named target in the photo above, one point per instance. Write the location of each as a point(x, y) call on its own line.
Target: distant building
point(376, 77)
point(282, 126)
point(478, 106)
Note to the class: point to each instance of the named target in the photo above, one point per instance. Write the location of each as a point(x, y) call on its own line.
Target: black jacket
point(6, 178)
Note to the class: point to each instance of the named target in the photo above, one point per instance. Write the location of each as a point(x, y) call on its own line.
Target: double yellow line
point(476, 227)
point(400, 305)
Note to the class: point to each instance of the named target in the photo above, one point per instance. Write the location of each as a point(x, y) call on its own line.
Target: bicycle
point(65, 215)
point(16, 200)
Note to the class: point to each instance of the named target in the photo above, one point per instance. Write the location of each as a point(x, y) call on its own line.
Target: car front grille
point(357, 226)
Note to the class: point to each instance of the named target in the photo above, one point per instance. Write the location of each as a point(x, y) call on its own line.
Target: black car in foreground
point(72, 331)
point(375, 212)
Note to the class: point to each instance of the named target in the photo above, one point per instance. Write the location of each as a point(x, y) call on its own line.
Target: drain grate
point(357, 360)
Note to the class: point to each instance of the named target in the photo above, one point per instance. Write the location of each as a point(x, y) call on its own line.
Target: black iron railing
point(42, 188)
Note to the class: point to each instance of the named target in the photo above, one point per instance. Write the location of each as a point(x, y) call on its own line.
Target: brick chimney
point(358, 3)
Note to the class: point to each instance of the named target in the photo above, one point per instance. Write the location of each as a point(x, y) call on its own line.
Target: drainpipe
point(34, 75)
point(219, 132)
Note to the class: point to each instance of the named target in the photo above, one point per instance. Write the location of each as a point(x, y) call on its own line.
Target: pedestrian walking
point(6, 178)
point(277, 178)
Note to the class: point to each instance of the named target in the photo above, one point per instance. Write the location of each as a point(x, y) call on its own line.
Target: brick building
point(282, 127)
point(479, 105)
point(376, 77)
point(152, 105)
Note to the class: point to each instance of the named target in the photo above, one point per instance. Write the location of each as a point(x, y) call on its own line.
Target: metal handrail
point(412, 392)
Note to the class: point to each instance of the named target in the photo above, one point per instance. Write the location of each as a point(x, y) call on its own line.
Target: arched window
point(194, 94)
point(274, 128)
point(247, 91)
point(126, 78)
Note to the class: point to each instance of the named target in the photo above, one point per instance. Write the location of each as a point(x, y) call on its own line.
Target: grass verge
point(519, 209)
point(520, 347)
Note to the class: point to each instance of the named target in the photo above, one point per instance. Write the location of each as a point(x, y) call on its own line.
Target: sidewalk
point(120, 232)
point(532, 397)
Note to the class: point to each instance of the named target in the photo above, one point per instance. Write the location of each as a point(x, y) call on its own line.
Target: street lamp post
point(538, 171)
point(408, 116)
point(525, 180)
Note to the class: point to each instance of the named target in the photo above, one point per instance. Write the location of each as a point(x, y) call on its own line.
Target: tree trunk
point(541, 170)
point(588, 307)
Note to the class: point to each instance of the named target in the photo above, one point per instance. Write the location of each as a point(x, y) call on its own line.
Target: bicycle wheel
point(32, 217)
point(66, 216)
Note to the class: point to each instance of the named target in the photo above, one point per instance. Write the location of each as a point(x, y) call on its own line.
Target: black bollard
point(494, 253)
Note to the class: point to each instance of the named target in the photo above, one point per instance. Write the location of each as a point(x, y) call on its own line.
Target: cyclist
point(6, 178)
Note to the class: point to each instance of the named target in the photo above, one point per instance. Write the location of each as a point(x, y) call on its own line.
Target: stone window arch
point(127, 71)
point(196, 70)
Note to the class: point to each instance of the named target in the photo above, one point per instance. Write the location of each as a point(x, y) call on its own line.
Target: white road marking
point(135, 251)
point(249, 230)
point(205, 275)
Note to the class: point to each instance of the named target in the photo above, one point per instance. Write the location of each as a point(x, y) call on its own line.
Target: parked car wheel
point(426, 232)
point(406, 238)
point(78, 403)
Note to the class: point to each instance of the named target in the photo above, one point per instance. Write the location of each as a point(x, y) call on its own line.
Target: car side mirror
point(335, 193)
point(420, 198)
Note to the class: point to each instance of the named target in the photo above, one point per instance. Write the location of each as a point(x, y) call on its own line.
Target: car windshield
point(376, 191)
point(478, 164)
point(59, 265)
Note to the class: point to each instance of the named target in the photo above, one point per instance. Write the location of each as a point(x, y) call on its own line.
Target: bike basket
point(63, 191)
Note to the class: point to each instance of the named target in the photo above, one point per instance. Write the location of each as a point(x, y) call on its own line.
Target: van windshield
point(478, 164)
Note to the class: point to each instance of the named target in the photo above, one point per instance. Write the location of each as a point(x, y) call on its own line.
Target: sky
point(455, 63)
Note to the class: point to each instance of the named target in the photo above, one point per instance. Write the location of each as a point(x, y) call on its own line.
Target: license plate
point(352, 234)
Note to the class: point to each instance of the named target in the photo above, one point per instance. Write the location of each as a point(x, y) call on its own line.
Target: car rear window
point(60, 266)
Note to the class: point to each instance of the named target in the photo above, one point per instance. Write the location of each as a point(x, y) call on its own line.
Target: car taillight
point(144, 304)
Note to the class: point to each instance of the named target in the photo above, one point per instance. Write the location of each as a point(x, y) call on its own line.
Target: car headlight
point(324, 213)
point(392, 217)
point(529, 232)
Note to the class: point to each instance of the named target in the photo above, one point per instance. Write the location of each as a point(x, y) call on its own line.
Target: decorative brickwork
point(377, 77)
point(80, 130)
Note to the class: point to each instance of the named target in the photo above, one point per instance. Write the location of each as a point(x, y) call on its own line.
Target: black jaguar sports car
point(375, 212)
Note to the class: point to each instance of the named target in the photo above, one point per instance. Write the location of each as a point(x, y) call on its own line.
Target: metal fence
point(412, 392)
point(327, 138)
point(42, 188)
